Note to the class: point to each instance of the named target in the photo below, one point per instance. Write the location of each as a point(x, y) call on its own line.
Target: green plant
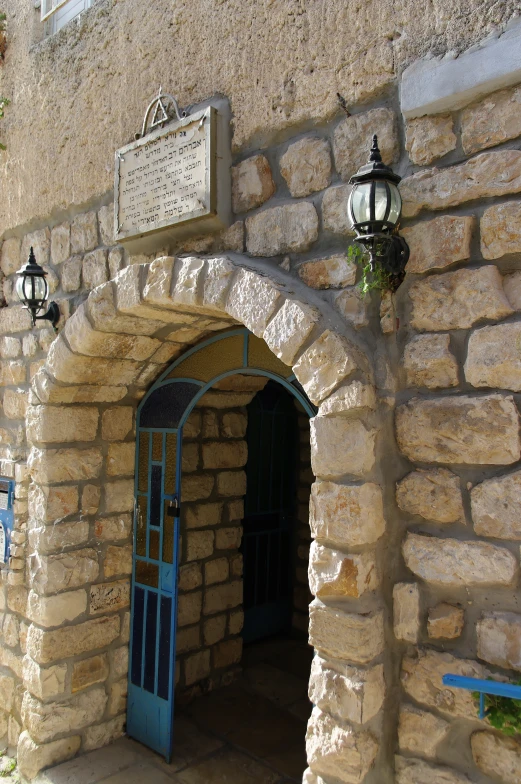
point(7, 768)
point(376, 279)
point(3, 17)
point(504, 713)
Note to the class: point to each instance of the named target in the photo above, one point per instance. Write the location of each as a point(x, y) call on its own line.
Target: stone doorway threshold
point(251, 732)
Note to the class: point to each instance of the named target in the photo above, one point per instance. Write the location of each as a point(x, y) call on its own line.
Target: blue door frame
point(161, 416)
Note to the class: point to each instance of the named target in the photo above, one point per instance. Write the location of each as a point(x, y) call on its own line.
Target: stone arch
point(83, 405)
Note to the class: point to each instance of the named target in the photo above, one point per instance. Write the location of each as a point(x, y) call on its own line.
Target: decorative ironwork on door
point(161, 417)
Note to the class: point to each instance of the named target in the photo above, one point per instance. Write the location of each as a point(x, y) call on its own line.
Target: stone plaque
point(166, 183)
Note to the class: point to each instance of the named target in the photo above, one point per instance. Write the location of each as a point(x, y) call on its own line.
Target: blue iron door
point(269, 508)
point(154, 589)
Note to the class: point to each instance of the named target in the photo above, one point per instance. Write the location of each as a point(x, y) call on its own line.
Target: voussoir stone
point(72, 368)
point(497, 756)
point(353, 137)
point(417, 771)
point(85, 340)
point(335, 575)
point(349, 400)
point(422, 676)
point(493, 357)
point(501, 229)
point(495, 505)
point(420, 732)
point(287, 228)
point(105, 317)
point(438, 243)
point(456, 300)
point(50, 646)
point(346, 516)
point(289, 328)
point(491, 121)
point(488, 174)
point(341, 446)
point(352, 693)
point(499, 639)
point(434, 494)
point(327, 362)
point(252, 301)
point(428, 138)
point(459, 563)
point(252, 183)
point(337, 750)
point(344, 635)
point(46, 720)
point(467, 430)
point(429, 362)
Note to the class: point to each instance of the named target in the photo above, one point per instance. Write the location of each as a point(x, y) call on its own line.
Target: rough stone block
point(348, 400)
point(223, 597)
point(493, 357)
point(497, 756)
point(491, 121)
point(51, 504)
point(94, 269)
point(445, 622)
point(121, 459)
point(105, 317)
point(335, 575)
point(15, 403)
point(420, 732)
point(219, 454)
point(87, 672)
point(87, 341)
point(107, 597)
point(500, 229)
point(48, 466)
point(15, 318)
point(252, 183)
point(428, 138)
point(102, 734)
point(52, 573)
point(113, 528)
point(7, 692)
point(90, 498)
point(434, 494)
point(216, 571)
point(57, 610)
point(106, 224)
point(306, 166)
point(189, 608)
point(252, 301)
point(233, 425)
point(40, 241)
point(495, 507)
point(228, 538)
point(340, 447)
point(334, 210)
point(468, 430)
point(46, 720)
point(197, 667)
point(198, 488)
point(228, 653)
point(119, 496)
point(76, 369)
point(231, 483)
point(344, 635)
point(352, 140)
point(482, 176)
point(287, 228)
point(199, 545)
point(289, 328)
point(116, 423)
point(50, 646)
point(348, 692)
point(458, 563)
point(332, 272)
point(416, 771)
point(429, 362)
point(338, 750)
point(44, 683)
point(354, 305)
point(117, 561)
point(84, 232)
point(214, 629)
point(406, 611)
point(346, 516)
point(33, 757)
point(327, 362)
point(10, 260)
point(456, 300)
point(499, 639)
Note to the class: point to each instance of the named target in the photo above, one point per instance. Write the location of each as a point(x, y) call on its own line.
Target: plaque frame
point(216, 212)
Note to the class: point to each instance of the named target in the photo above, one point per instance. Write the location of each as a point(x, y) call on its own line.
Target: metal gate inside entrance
point(161, 417)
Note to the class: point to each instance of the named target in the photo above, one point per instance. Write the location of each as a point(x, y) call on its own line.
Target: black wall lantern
point(374, 209)
point(33, 290)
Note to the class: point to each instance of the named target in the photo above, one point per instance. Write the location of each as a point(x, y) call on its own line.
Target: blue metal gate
point(161, 417)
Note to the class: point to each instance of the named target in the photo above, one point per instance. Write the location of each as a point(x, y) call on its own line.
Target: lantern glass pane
point(380, 201)
point(20, 288)
point(396, 204)
point(40, 288)
point(359, 203)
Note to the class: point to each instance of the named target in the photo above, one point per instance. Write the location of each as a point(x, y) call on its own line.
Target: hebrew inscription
point(164, 178)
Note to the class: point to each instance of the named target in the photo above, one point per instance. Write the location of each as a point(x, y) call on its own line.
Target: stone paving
point(251, 732)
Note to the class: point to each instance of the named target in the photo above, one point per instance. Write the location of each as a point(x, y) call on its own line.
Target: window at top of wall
point(59, 12)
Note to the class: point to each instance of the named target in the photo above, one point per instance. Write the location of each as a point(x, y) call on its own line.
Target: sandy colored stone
point(105, 733)
point(10, 348)
point(216, 571)
point(456, 300)
point(289, 328)
point(50, 646)
point(420, 732)
point(202, 515)
point(40, 241)
point(33, 757)
point(429, 362)
point(500, 228)
point(422, 675)
point(227, 653)
point(495, 507)
point(287, 228)
point(337, 750)
point(189, 609)
point(7, 692)
point(351, 693)
point(348, 400)
point(512, 289)
point(87, 672)
point(467, 430)
point(406, 611)
point(54, 538)
point(346, 516)
point(233, 425)
point(252, 183)
point(352, 140)
point(52, 573)
point(106, 597)
point(60, 243)
point(197, 488)
point(117, 561)
point(353, 304)
point(416, 771)
point(345, 635)
point(334, 210)
point(121, 459)
point(90, 499)
point(306, 166)
point(116, 423)
point(499, 639)
point(56, 610)
point(116, 261)
point(13, 373)
point(84, 232)
point(497, 756)
point(113, 528)
point(63, 465)
point(340, 447)
point(335, 575)
point(119, 496)
point(106, 224)
point(199, 545)
point(331, 272)
point(434, 494)
point(458, 563)
point(15, 403)
point(493, 120)
point(488, 174)
point(223, 597)
point(50, 504)
point(15, 318)
point(228, 538)
point(105, 317)
point(44, 683)
point(10, 260)
point(493, 357)
point(45, 721)
point(445, 622)
point(71, 368)
point(327, 362)
point(252, 301)
point(428, 138)
point(87, 341)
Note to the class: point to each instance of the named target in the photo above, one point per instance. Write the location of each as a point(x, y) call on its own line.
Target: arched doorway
point(164, 487)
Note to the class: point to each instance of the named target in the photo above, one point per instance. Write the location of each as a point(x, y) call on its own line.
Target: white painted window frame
point(49, 9)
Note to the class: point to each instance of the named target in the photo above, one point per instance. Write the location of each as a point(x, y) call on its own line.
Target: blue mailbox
point(6, 517)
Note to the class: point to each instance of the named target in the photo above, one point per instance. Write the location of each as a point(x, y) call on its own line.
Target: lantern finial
point(375, 152)
point(32, 258)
